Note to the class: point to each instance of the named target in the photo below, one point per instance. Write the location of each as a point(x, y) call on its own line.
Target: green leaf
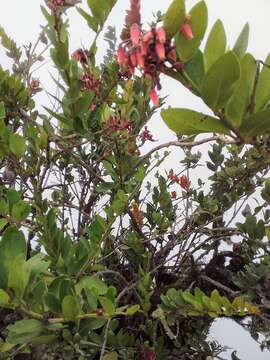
point(20, 210)
point(237, 106)
point(198, 21)
point(174, 17)
point(95, 324)
point(262, 95)
point(107, 305)
point(216, 44)
point(93, 283)
point(12, 244)
point(3, 223)
point(256, 124)
point(241, 44)
point(218, 84)
point(194, 70)
point(70, 308)
point(18, 275)
point(17, 145)
point(133, 310)
point(91, 21)
point(4, 298)
point(189, 122)
point(101, 9)
point(24, 330)
point(2, 110)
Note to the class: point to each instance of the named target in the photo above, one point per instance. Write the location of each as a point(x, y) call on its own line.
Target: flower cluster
point(80, 55)
point(152, 52)
point(115, 124)
point(149, 52)
point(181, 180)
point(89, 82)
point(54, 5)
point(146, 135)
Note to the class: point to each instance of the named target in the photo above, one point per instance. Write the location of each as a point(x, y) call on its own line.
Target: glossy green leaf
point(91, 21)
point(262, 95)
point(194, 70)
point(188, 122)
point(133, 310)
point(241, 44)
point(97, 323)
point(237, 106)
point(216, 45)
point(174, 17)
point(256, 124)
point(186, 48)
point(218, 84)
point(70, 308)
point(17, 145)
point(2, 110)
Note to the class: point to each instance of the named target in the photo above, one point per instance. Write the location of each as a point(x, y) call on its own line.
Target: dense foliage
point(104, 255)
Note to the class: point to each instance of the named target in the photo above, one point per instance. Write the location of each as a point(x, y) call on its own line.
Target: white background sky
point(22, 18)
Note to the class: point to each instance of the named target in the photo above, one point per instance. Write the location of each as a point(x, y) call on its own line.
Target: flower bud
point(187, 31)
point(154, 97)
point(135, 32)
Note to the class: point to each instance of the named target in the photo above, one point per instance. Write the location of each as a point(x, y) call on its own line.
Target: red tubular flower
point(140, 59)
point(186, 30)
point(148, 36)
point(161, 35)
point(154, 97)
point(122, 56)
point(133, 59)
point(146, 135)
point(144, 48)
point(160, 50)
point(135, 34)
point(184, 182)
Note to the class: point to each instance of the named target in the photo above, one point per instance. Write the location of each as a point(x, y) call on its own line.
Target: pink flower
point(187, 31)
point(133, 59)
point(154, 97)
point(140, 60)
point(144, 48)
point(148, 36)
point(122, 56)
point(160, 51)
point(135, 33)
point(161, 35)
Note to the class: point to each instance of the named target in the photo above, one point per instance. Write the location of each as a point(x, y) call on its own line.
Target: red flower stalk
point(186, 30)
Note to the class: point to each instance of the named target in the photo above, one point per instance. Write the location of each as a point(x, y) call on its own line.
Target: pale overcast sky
point(22, 18)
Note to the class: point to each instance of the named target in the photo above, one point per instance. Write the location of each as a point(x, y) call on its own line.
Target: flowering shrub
point(103, 253)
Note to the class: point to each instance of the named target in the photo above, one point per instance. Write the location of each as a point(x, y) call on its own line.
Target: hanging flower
point(135, 34)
